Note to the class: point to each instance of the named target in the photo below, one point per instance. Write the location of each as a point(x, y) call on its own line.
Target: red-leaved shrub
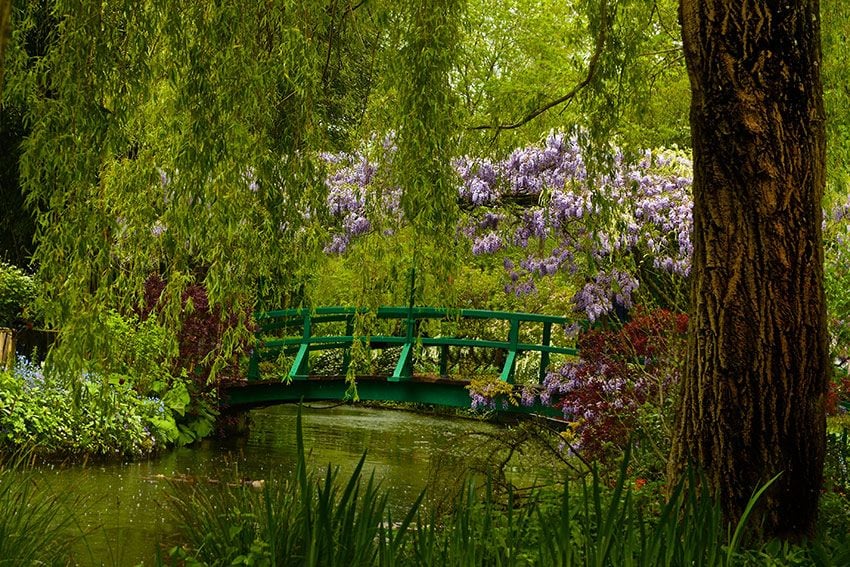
point(623, 381)
point(200, 332)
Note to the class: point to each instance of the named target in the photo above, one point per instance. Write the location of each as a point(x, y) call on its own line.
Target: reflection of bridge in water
point(431, 342)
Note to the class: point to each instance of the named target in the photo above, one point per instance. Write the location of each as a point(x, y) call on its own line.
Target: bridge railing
point(297, 329)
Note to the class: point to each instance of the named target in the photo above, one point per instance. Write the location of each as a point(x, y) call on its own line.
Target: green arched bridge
point(429, 342)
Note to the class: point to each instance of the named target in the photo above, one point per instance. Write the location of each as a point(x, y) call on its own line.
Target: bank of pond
point(348, 485)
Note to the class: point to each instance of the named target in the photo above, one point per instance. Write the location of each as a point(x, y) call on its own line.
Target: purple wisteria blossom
point(338, 245)
point(356, 224)
point(487, 244)
point(532, 225)
point(640, 210)
point(346, 200)
point(479, 181)
point(604, 292)
point(562, 221)
point(529, 395)
point(531, 170)
point(840, 212)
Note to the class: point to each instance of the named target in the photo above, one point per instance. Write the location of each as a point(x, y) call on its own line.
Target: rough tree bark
point(754, 391)
point(5, 31)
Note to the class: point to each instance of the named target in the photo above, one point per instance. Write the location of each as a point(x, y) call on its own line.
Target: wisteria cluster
point(355, 194)
point(600, 230)
point(489, 392)
point(478, 178)
point(840, 212)
point(347, 191)
point(531, 170)
point(606, 292)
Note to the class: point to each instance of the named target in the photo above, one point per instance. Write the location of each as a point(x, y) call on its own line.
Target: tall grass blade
point(37, 526)
point(739, 528)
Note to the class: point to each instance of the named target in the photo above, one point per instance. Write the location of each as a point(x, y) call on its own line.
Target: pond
point(123, 506)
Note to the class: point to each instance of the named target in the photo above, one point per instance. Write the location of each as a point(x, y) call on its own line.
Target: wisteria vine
point(539, 212)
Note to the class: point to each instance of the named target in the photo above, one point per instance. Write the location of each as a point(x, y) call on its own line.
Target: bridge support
point(433, 391)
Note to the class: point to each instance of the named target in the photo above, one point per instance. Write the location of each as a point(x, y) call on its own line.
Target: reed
point(336, 521)
point(303, 520)
point(37, 527)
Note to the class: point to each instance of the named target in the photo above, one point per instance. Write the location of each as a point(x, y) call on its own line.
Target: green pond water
point(124, 509)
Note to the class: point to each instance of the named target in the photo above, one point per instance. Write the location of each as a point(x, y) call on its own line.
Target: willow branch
point(330, 46)
point(592, 69)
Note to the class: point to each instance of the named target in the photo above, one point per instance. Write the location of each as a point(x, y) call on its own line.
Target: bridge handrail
point(305, 318)
point(420, 311)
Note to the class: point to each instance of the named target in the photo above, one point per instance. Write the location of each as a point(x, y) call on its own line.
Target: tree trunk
point(7, 348)
point(5, 32)
point(753, 395)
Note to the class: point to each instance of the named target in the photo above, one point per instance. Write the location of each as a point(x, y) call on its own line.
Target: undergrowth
point(326, 521)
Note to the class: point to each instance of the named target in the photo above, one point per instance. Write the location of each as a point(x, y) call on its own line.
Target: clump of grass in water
point(587, 524)
point(306, 521)
point(298, 521)
point(36, 526)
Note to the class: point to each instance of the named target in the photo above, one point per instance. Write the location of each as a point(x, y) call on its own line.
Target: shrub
point(623, 383)
point(17, 290)
point(200, 338)
point(201, 331)
point(58, 415)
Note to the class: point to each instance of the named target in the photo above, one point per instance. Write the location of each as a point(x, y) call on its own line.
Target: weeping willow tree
point(180, 140)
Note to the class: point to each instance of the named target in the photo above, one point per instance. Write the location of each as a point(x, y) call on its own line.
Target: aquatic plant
point(36, 526)
point(302, 520)
point(334, 521)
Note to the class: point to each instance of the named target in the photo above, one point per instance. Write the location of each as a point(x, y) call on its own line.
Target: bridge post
point(301, 365)
point(510, 360)
point(346, 353)
point(444, 361)
point(404, 366)
point(544, 355)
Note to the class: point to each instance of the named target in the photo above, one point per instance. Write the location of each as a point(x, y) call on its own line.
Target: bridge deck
point(429, 390)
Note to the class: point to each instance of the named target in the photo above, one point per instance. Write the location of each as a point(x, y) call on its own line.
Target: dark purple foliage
point(200, 332)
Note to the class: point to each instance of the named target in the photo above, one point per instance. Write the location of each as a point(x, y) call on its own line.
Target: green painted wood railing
point(297, 325)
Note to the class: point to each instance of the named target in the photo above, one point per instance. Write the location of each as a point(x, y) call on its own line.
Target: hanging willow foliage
point(180, 139)
point(427, 137)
